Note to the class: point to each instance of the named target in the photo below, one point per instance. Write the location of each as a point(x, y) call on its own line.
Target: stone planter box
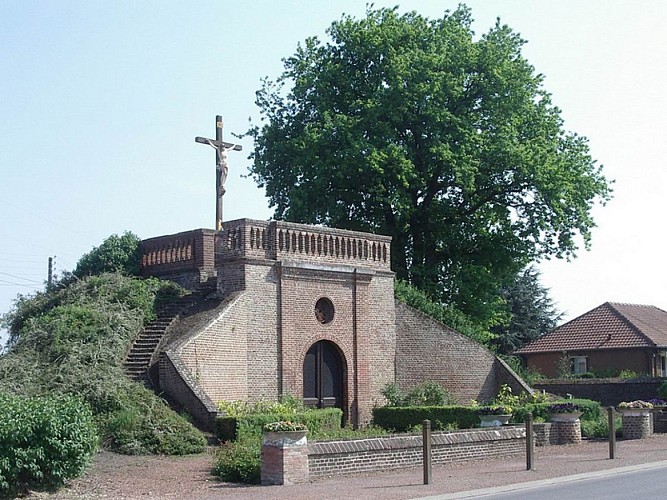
point(284, 457)
point(567, 427)
point(494, 420)
point(634, 412)
point(637, 423)
point(565, 417)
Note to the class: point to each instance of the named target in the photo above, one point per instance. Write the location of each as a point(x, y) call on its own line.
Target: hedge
point(401, 419)
point(317, 421)
point(591, 410)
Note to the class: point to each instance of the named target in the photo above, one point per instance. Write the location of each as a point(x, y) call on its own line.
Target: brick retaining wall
point(398, 451)
point(609, 392)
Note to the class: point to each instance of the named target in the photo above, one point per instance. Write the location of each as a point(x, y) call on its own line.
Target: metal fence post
point(529, 441)
point(426, 446)
point(612, 433)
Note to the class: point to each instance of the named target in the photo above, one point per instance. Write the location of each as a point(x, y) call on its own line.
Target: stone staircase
point(137, 361)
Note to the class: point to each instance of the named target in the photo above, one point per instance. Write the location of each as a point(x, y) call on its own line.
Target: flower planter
point(567, 427)
point(637, 422)
point(284, 438)
point(284, 457)
point(635, 412)
point(494, 420)
point(565, 417)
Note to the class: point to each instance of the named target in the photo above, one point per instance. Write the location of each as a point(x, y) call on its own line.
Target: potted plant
point(494, 416)
point(636, 408)
point(284, 455)
point(564, 412)
point(284, 429)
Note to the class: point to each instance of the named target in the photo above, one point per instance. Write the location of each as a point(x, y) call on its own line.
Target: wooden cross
point(221, 147)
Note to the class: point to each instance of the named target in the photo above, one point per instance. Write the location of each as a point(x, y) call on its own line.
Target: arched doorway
point(323, 371)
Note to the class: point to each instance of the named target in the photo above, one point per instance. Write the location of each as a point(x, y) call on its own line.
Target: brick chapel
point(283, 308)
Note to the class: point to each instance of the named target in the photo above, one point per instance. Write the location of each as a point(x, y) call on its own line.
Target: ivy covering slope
point(72, 341)
point(447, 315)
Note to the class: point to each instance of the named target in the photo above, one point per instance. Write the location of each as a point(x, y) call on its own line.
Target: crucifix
point(221, 168)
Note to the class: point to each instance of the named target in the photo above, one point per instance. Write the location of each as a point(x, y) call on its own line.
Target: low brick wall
point(608, 391)
point(393, 452)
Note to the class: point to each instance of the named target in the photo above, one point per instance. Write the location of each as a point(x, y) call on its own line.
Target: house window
point(579, 364)
point(661, 367)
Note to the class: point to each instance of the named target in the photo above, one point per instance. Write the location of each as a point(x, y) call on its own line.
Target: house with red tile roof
point(606, 340)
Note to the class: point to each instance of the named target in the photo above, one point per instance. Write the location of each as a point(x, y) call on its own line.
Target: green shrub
point(43, 441)
point(318, 421)
point(528, 375)
point(141, 423)
point(426, 394)
point(401, 419)
point(239, 457)
point(599, 428)
point(74, 343)
point(662, 390)
point(115, 254)
point(239, 461)
point(287, 405)
point(627, 374)
point(591, 410)
point(447, 315)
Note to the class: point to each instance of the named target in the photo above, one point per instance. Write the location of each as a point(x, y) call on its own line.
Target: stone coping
point(395, 442)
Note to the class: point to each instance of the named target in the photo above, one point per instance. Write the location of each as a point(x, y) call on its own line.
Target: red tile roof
point(609, 326)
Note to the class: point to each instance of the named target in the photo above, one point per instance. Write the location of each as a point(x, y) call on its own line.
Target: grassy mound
point(72, 341)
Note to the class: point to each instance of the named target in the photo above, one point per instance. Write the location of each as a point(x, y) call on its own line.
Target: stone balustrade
point(277, 240)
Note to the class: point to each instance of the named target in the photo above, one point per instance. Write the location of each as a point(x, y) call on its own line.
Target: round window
point(324, 310)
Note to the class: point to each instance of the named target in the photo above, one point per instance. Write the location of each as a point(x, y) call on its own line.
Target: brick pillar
point(284, 457)
point(636, 425)
point(568, 432)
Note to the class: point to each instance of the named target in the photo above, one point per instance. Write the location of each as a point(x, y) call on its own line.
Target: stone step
point(154, 332)
point(146, 342)
point(132, 362)
point(141, 348)
point(139, 356)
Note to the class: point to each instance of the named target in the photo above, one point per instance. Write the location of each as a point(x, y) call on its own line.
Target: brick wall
point(219, 353)
point(255, 347)
point(427, 350)
point(176, 381)
point(393, 452)
point(609, 392)
point(637, 360)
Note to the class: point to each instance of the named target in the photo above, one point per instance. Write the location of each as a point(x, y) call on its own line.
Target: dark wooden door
point(323, 376)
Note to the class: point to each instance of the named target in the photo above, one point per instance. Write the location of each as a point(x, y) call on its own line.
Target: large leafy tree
point(116, 253)
point(532, 312)
point(413, 128)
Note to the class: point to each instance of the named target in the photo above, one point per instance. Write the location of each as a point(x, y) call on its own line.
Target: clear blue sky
point(100, 103)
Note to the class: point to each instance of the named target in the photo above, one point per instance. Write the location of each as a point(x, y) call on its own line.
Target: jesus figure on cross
point(221, 167)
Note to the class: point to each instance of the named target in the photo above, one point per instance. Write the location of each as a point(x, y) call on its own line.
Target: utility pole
point(49, 280)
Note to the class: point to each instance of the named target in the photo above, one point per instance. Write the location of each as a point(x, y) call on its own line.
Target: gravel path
point(115, 476)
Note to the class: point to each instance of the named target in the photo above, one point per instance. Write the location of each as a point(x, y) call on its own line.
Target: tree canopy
point(415, 128)
point(116, 253)
point(532, 312)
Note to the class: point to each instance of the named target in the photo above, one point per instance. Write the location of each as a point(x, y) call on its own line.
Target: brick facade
point(429, 350)
point(638, 360)
point(253, 344)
